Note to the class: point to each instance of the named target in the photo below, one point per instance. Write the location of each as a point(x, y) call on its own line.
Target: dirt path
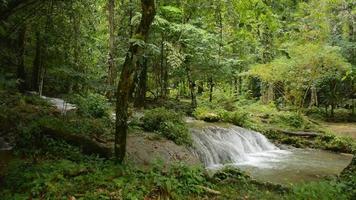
point(342, 129)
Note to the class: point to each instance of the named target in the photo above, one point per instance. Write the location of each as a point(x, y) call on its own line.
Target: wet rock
point(4, 146)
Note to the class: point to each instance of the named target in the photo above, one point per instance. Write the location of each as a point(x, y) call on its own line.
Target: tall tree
point(21, 76)
point(111, 59)
point(127, 75)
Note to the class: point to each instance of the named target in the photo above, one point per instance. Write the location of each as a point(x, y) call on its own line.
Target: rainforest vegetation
point(103, 99)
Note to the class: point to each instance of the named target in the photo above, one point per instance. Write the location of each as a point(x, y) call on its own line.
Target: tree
point(112, 46)
point(125, 85)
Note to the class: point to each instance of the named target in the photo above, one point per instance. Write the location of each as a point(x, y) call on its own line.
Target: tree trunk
point(200, 88)
point(271, 95)
point(264, 93)
point(37, 63)
point(76, 37)
point(313, 96)
point(192, 86)
point(161, 74)
point(211, 88)
point(165, 80)
point(111, 60)
point(332, 113)
point(142, 85)
point(21, 75)
point(126, 79)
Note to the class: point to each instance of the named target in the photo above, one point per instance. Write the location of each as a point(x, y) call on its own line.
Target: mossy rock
point(210, 117)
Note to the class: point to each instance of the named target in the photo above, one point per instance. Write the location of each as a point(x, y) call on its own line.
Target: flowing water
point(218, 146)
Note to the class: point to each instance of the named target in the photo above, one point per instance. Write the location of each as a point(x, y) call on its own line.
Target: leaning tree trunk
point(111, 59)
point(126, 78)
point(21, 76)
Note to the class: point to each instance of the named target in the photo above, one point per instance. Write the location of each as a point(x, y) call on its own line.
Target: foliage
point(93, 179)
point(94, 105)
point(167, 123)
point(319, 190)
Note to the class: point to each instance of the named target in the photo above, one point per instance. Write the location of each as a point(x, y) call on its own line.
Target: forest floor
point(52, 169)
point(341, 129)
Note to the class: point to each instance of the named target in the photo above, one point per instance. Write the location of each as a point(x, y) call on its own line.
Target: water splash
point(60, 104)
point(217, 146)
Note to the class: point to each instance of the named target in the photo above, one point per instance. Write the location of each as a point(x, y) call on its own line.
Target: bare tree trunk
point(192, 86)
point(211, 88)
point(77, 64)
point(42, 70)
point(142, 85)
point(21, 75)
point(270, 93)
point(126, 79)
point(37, 63)
point(200, 87)
point(161, 74)
point(111, 59)
point(165, 80)
point(313, 96)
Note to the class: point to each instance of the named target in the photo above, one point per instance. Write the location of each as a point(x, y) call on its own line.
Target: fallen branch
point(208, 190)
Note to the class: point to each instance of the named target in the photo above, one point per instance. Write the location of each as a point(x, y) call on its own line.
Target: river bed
point(300, 165)
point(218, 145)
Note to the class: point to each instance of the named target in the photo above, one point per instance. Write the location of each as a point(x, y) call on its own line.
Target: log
point(87, 145)
point(300, 133)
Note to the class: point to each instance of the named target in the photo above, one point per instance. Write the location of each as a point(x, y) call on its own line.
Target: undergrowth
point(167, 123)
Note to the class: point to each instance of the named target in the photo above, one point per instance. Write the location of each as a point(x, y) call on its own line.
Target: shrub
point(230, 173)
point(168, 124)
point(289, 119)
point(238, 118)
point(94, 105)
point(318, 190)
point(207, 114)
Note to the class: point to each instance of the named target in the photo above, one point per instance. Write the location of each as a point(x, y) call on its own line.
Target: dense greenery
point(167, 123)
point(140, 68)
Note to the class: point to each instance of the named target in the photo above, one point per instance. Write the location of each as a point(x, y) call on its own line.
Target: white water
point(217, 146)
point(60, 104)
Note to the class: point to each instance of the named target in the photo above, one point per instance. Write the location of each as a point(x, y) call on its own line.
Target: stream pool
point(299, 165)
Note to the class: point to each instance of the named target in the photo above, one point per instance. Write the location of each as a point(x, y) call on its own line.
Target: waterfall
point(217, 146)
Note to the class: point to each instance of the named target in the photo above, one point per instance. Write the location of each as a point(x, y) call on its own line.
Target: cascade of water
point(217, 146)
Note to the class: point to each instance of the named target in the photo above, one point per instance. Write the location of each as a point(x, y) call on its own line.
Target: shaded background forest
point(294, 53)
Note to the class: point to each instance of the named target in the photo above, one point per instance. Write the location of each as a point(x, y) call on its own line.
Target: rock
point(4, 146)
point(143, 150)
point(60, 104)
point(211, 117)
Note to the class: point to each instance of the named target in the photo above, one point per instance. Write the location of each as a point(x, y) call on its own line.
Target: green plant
point(318, 191)
point(167, 123)
point(94, 105)
point(238, 117)
point(291, 119)
point(207, 114)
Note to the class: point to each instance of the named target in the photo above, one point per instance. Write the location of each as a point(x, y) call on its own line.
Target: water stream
point(221, 145)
